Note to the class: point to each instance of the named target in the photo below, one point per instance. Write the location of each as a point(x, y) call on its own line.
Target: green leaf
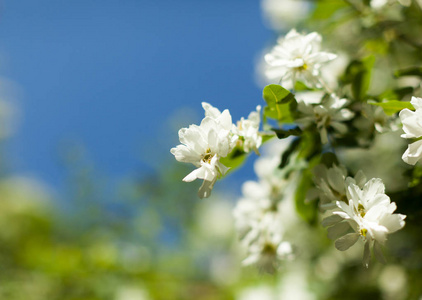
point(358, 73)
point(393, 106)
point(278, 103)
point(307, 210)
point(282, 134)
point(235, 159)
point(416, 71)
point(399, 93)
point(276, 94)
point(325, 9)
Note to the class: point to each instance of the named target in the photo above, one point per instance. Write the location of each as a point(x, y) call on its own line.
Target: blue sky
point(110, 74)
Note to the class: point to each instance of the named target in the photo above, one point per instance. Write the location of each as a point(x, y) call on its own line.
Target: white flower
point(203, 146)
point(247, 130)
point(369, 213)
point(332, 184)
point(374, 117)
point(378, 4)
point(328, 114)
point(412, 126)
point(268, 247)
point(297, 57)
point(281, 14)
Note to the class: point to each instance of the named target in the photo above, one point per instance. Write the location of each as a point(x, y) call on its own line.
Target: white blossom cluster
point(213, 139)
point(362, 210)
point(258, 216)
point(324, 114)
point(412, 126)
point(297, 57)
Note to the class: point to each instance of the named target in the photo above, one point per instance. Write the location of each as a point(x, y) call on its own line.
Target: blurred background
point(92, 203)
point(92, 96)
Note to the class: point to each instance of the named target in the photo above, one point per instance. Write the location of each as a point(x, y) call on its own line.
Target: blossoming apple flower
point(412, 126)
point(369, 213)
point(297, 57)
point(246, 131)
point(258, 216)
point(328, 114)
point(332, 184)
point(203, 146)
point(268, 247)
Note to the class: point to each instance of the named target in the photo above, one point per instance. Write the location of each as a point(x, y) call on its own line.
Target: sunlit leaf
point(279, 103)
point(393, 106)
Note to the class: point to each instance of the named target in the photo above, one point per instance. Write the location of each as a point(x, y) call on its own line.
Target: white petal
point(413, 153)
point(210, 111)
point(416, 102)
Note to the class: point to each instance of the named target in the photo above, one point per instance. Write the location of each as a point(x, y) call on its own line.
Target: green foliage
point(393, 106)
point(305, 207)
point(282, 134)
point(326, 9)
point(416, 71)
point(235, 159)
point(358, 74)
point(280, 103)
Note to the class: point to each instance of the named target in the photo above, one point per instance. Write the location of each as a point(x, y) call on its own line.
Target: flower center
point(303, 67)
point(207, 156)
point(361, 210)
point(363, 232)
point(269, 249)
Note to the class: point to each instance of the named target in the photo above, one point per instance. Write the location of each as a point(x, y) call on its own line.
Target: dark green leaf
point(282, 134)
point(395, 94)
point(306, 209)
point(358, 73)
point(235, 159)
point(416, 71)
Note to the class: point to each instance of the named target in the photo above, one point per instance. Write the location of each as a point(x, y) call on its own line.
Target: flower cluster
point(297, 57)
point(258, 216)
point(412, 126)
point(362, 207)
point(213, 139)
point(329, 113)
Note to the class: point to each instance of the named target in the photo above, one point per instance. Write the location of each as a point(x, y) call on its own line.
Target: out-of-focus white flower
point(131, 293)
point(412, 126)
point(328, 114)
point(247, 130)
point(332, 184)
point(204, 145)
point(370, 214)
point(297, 57)
point(267, 248)
point(262, 292)
point(378, 4)
point(282, 14)
point(258, 218)
point(375, 117)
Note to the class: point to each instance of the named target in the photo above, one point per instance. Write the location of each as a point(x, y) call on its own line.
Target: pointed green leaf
point(393, 106)
point(279, 103)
